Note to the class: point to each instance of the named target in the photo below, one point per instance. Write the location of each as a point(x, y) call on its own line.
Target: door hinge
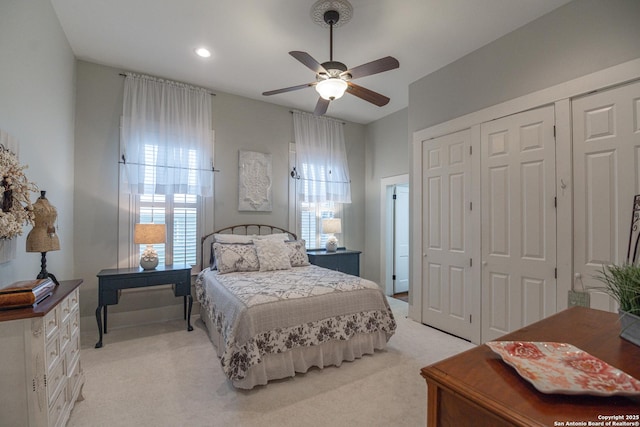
point(470, 262)
point(555, 273)
point(470, 206)
point(555, 202)
point(470, 150)
point(470, 319)
point(393, 277)
point(395, 197)
point(554, 131)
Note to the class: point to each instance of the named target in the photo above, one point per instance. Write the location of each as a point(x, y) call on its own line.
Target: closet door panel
point(446, 248)
point(606, 163)
point(518, 221)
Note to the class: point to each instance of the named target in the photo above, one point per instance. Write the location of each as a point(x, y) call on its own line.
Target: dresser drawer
point(74, 321)
point(52, 352)
point(74, 299)
point(51, 322)
point(65, 334)
point(56, 409)
point(73, 351)
point(73, 381)
point(55, 380)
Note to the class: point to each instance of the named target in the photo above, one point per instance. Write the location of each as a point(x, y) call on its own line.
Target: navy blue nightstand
point(344, 260)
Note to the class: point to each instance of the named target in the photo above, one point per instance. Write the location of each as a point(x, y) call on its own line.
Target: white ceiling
point(250, 41)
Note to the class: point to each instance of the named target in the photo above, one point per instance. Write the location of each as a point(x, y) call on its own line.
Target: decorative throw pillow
point(297, 253)
point(226, 238)
point(232, 257)
point(272, 254)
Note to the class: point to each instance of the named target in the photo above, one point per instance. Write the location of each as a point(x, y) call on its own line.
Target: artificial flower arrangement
point(16, 209)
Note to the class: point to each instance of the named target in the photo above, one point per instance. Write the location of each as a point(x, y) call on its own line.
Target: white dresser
point(41, 375)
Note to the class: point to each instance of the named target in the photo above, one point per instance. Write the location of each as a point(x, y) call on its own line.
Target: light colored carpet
point(162, 375)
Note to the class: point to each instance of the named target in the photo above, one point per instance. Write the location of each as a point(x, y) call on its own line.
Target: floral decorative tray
point(559, 368)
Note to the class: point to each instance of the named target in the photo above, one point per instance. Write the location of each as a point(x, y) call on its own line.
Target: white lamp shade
point(331, 226)
point(149, 234)
point(332, 88)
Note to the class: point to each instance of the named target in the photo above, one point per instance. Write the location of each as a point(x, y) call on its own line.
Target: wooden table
point(112, 281)
point(477, 388)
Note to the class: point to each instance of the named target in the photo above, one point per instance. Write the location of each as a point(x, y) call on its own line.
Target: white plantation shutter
point(180, 213)
point(311, 216)
point(185, 229)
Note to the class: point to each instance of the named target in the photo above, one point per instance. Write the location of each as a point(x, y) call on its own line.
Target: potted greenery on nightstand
point(622, 283)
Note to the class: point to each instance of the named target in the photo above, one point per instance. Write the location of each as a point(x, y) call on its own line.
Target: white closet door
point(446, 295)
point(518, 221)
point(606, 161)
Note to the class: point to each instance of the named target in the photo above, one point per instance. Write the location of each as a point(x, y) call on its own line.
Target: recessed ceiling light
point(203, 52)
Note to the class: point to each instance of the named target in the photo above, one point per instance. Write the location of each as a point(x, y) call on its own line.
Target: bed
point(270, 314)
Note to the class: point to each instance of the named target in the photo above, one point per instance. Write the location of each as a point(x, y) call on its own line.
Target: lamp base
point(332, 245)
point(149, 258)
point(148, 263)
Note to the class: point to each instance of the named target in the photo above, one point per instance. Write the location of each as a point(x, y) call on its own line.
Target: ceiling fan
point(333, 78)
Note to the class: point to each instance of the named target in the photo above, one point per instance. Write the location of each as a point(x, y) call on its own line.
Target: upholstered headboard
point(242, 229)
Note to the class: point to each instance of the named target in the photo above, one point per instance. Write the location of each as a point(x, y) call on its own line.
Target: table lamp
point(43, 238)
point(149, 234)
point(332, 226)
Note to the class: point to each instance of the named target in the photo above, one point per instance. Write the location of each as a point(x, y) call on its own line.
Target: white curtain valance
point(166, 137)
point(321, 159)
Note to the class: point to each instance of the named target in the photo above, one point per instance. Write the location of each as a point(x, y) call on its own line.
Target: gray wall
point(579, 38)
point(239, 123)
point(37, 108)
point(387, 155)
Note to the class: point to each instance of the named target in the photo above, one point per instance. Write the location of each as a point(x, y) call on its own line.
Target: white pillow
point(277, 236)
point(272, 254)
point(232, 238)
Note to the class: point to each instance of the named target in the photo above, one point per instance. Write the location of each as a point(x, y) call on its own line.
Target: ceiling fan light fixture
point(332, 88)
point(202, 52)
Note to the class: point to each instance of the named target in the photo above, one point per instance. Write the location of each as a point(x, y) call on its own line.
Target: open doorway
point(394, 251)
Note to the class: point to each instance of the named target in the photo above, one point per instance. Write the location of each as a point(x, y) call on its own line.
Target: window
point(311, 216)
point(166, 152)
point(307, 216)
point(180, 213)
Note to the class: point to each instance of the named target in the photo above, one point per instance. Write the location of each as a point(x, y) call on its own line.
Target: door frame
point(386, 231)
point(559, 95)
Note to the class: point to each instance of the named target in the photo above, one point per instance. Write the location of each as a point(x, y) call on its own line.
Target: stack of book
point(26, 293)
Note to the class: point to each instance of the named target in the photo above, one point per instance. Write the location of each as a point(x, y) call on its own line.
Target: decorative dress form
point(43, 238)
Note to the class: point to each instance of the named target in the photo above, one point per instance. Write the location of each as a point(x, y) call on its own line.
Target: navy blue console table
point(112, 281)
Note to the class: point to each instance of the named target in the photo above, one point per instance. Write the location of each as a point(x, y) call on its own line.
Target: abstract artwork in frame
point(254, 182)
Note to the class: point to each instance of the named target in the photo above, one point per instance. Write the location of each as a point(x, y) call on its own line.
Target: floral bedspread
point(258, 313)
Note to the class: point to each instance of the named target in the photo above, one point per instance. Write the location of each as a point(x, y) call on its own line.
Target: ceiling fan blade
point(374, 67)
point(321, 107)
point(367, 95)
point(288, 89)
point(308, 60)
